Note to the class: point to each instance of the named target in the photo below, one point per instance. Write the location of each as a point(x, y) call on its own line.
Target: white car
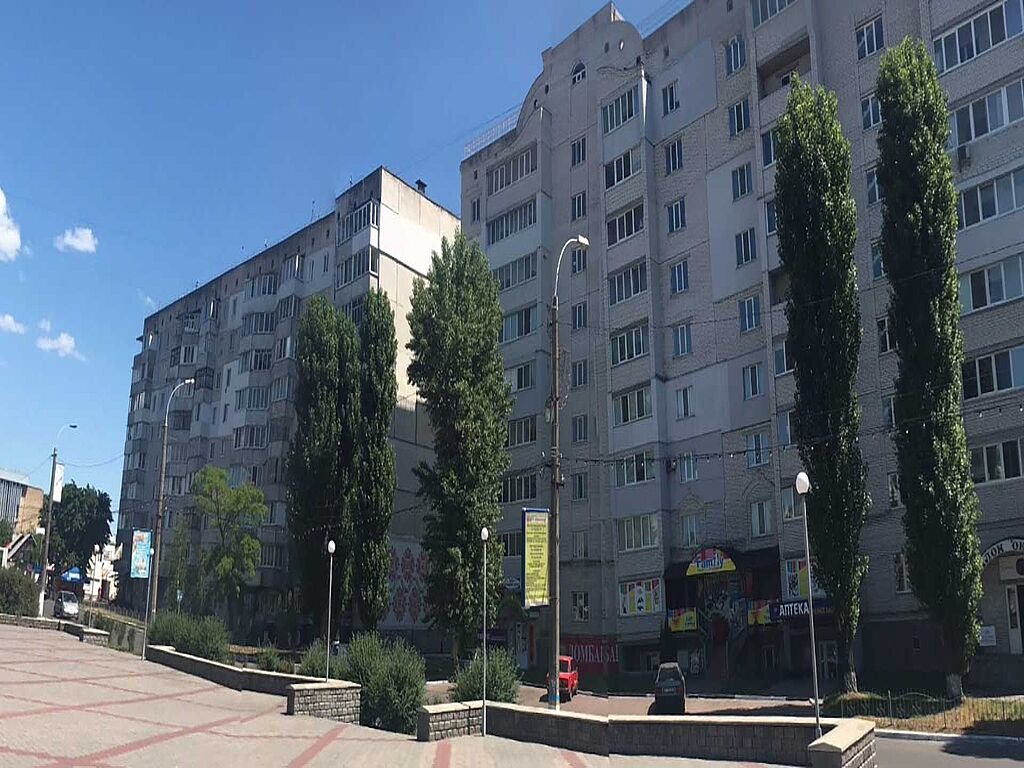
point(65, 606)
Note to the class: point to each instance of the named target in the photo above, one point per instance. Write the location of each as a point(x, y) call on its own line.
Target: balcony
point(774, 76)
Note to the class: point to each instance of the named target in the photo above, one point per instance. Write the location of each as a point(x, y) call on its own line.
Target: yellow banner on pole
point(535, 557)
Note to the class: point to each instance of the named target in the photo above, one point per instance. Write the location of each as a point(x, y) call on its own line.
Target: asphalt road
point(956, 754)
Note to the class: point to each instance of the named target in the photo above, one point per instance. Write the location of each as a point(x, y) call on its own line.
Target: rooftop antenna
point(312, 211)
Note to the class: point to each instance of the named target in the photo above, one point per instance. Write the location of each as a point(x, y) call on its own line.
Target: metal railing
point(499, 127)
point(923, 712)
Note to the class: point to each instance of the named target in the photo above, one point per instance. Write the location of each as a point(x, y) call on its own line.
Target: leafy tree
point(379, 391)
point(178, 568)
point(349, 440)
point(817, 222)
point(80, 521)
point(919, 224)
point(454, 323)
point(6, 532)
point(234, 514)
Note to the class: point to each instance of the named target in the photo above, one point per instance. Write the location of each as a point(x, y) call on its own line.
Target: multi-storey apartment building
point(680, 528)
point(236, 335)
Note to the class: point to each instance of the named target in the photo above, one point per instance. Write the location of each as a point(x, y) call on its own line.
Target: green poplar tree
point(817, 225)
point(919, 224)
point(454, 322)
point(378, 350)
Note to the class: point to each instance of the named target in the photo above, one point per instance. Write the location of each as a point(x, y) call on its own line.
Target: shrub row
point(269, 660)
point(205, 636)
point(18, 593)
point(503, 678)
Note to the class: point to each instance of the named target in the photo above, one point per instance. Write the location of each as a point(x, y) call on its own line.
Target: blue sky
point(145, 147)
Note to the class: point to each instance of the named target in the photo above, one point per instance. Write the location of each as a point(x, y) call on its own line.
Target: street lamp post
point(145, 625)
point(92, 580)
point(154, 580)
point(49, 520)
point(803, 485)
point(484, 535)
point(556, 481)
point(330, 589)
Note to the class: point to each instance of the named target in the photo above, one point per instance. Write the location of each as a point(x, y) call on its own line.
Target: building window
point(889, 411)
point(739, 117)
point(579, 428)
point(515, 272)
point(673, 156)
point(579, 73)
point(786, 428)
point(765, 9)
point(630, 344)
point(627, 283)
point(511, 543)
point(752, 381)
point(475, 209)
point(992, 285)
point(885, 343)
point(987, 114)
point(676, 215)
point(621, 110)
point(993, 373)
point(522, 431)
point(638, 532)
point(768, 140)
point(580, 606)
point(520, 487)
point(512, 170)
point(580, 545)
point(902, 574)
point(622, 167)
point(670, 98)
point(870, 112)
point(632, 406)
point(691, 535)
point(687, 468)
point(579, 374)
point(877, 264)
point(988, 29)
point(580, 486)
point(625, 224)
point(895, 497)
point(792, 505)
point(579, 316)
point(634, 469)
point(682, 337)
point(991, 199)
point(578, 260)
point(757, 449)
point(746, 247)
point(680, 276)
point(510, 222)
point(735, 54)
point(771, 220)
point(742, 181)
point(684, 402)
point(870, 38)
point(1000, 461)
point(875, 193)
point(750, 313)
point(578, 150)
point(579, 205)
point(761, 523)
point(517, 324)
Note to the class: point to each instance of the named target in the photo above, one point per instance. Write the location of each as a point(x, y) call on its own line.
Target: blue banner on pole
point(142, 542)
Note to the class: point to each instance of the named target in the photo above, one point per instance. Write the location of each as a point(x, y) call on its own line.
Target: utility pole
point(49, 521)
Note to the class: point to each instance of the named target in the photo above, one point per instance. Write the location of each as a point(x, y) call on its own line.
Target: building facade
point(236, 336)
point(681, 531)
point(20, 503)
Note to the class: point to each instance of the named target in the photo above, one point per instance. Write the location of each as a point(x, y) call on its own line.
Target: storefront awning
point(711, 560)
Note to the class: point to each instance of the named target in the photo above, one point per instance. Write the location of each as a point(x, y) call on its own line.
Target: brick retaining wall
point(568, 730)
point(334, 700)
point(445, 721)
point(30, 621)
point(228, 675)
point(851, 744)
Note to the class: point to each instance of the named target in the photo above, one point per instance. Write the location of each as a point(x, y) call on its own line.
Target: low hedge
point(503, 678)
point(19, 593)
point(269, 660)
point(205, 636)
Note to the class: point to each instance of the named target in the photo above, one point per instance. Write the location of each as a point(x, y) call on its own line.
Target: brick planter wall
point(334, 700)
point(851, 744)
point(30, 621)
point(444, 721)
point(568, 730)
point(88, 635)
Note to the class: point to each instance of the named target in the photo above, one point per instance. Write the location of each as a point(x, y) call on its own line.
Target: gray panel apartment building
point(678, 498)
point(236, 336)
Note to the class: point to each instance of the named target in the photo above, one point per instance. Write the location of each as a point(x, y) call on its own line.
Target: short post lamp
point(484, 535)
point(803, 485)
point(330, 588)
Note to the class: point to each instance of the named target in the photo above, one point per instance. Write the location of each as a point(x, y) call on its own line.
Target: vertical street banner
point(142, 542)
point(535, 557)
point(58, 483)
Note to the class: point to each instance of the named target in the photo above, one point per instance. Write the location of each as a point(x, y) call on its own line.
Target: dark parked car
point(670, 690)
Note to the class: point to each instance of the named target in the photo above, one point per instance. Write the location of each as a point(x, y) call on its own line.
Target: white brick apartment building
point(675, 420)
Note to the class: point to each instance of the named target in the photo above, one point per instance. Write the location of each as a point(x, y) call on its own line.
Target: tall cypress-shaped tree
point(377, 353)
point(348, 458)
point(454, 321)
point(817, 223)
point(919, 226)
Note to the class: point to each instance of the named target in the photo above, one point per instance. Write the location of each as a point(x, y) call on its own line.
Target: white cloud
point(63, 344)
point(79, 239)
point(45, 326)
point(10, 235)
point(147, 300)
point(10, 325)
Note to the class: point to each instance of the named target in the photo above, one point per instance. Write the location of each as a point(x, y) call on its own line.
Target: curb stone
point(887, 733)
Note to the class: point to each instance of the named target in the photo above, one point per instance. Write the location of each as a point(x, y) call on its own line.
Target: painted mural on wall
point(407, 578)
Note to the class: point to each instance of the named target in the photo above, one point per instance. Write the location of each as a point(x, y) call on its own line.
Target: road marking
point(572, 759)
point(317, 747)
point(443, 754)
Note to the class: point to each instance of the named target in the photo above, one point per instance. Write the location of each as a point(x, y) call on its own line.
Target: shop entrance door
point(1014, 611)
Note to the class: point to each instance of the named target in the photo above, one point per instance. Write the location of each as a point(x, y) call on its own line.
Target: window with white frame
point(580, 486)
point(579, 428)
point(993, 198)
point(870, 38)
point(638, 532)
point(771, 219)
point(768, 141)
point(517, 324)
point(765, 9)
point(877, 264)
point(475, 209)
point(632, 406)
point(742, 181)
point(889, 411)
point(620, 110)
point(512, 221)
point(792, 504)
point(579, 73)
point(251, 436)
point(895, 496)
point(870, 112)
point(579, 205)
point(578, 260)
point(992, 285)
point(622, 167)
point(630, 343)
point(673, 156)
point(580, 374)
point(680, 276)
point(998, 461)
point(676, 215)
point(682, 339)
point(786, 428)
point(580, 545)
point(627, 282)
point(511, 543)
point(684, 402)
point(281, 389)
point(580, 606)
point(522, 376)
point(688, 468)
point(691, 530)
point(518, 487)
point(761, 522)
point(522, 431)
point(746, 247)
point(739, 117)
point(757, 449)
point(995, 372)
point(783, 358)
point(735, 54)
point(670, 98)
point(284, 348)
point(578, 150)
point(987, 114)
point(992, 27)
point(875, 193)
point(633, 469)
point(885, 342)
point(509, 171)
point(750, 313)
point(579, 315)
point(625, 224)
point(752, 381)
point(515, 272)
point(899, 562)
